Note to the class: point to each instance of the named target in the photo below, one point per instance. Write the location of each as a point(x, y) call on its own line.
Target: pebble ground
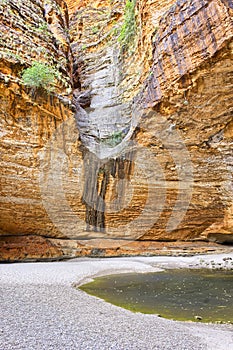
point(41, 310)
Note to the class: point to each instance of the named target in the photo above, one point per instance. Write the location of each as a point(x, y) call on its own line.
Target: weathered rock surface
point(191, 86)
point(155, 122)
point(30, 31)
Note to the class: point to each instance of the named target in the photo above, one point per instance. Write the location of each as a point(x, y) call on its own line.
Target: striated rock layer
point(30, 31)
point(144, 153)
point(190, 85)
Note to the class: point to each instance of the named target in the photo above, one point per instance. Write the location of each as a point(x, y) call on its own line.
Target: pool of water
point(181, 294)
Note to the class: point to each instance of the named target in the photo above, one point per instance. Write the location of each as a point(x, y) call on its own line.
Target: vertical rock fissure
point(103, 121)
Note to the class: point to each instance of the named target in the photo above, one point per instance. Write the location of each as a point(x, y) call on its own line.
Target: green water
point(175, 294)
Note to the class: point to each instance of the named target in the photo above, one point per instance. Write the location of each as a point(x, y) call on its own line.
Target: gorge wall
point(134, 145)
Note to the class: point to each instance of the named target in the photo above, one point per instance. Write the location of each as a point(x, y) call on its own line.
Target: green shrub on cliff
point(128, 29)
point(39, 75)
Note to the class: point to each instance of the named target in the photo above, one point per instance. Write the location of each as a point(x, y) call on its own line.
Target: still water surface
point(180, 294)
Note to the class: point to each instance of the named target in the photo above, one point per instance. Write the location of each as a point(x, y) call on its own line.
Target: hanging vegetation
point(128, 29)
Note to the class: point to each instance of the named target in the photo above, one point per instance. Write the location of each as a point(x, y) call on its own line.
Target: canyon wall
point(133, 146)
point(30, 31)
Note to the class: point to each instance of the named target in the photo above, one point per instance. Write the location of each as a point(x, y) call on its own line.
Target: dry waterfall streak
point(127, 174)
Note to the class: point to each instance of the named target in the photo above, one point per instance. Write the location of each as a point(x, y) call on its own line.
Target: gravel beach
point(41, 309)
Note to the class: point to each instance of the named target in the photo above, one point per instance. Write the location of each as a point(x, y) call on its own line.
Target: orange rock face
point(190, 86)
point(28, 116)
point(152, 159)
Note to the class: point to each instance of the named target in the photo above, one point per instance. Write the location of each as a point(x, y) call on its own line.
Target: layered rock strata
point(190, 84)
point(32, 31)
point(152, 159)
point(182, 109)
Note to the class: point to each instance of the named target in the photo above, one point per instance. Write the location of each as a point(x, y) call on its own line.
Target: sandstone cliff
point(134, 143)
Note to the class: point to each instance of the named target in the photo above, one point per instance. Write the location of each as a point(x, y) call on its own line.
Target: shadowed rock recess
point(131, 151)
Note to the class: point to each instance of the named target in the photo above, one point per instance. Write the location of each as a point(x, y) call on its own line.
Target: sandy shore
point(40, 309)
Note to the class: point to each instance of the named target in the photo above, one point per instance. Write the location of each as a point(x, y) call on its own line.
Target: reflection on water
point(178, 294)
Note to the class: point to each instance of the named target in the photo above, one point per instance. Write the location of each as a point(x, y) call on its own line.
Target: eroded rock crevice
point(103, 117)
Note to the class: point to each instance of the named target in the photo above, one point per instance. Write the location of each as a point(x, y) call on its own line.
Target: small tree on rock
point(39, 75)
